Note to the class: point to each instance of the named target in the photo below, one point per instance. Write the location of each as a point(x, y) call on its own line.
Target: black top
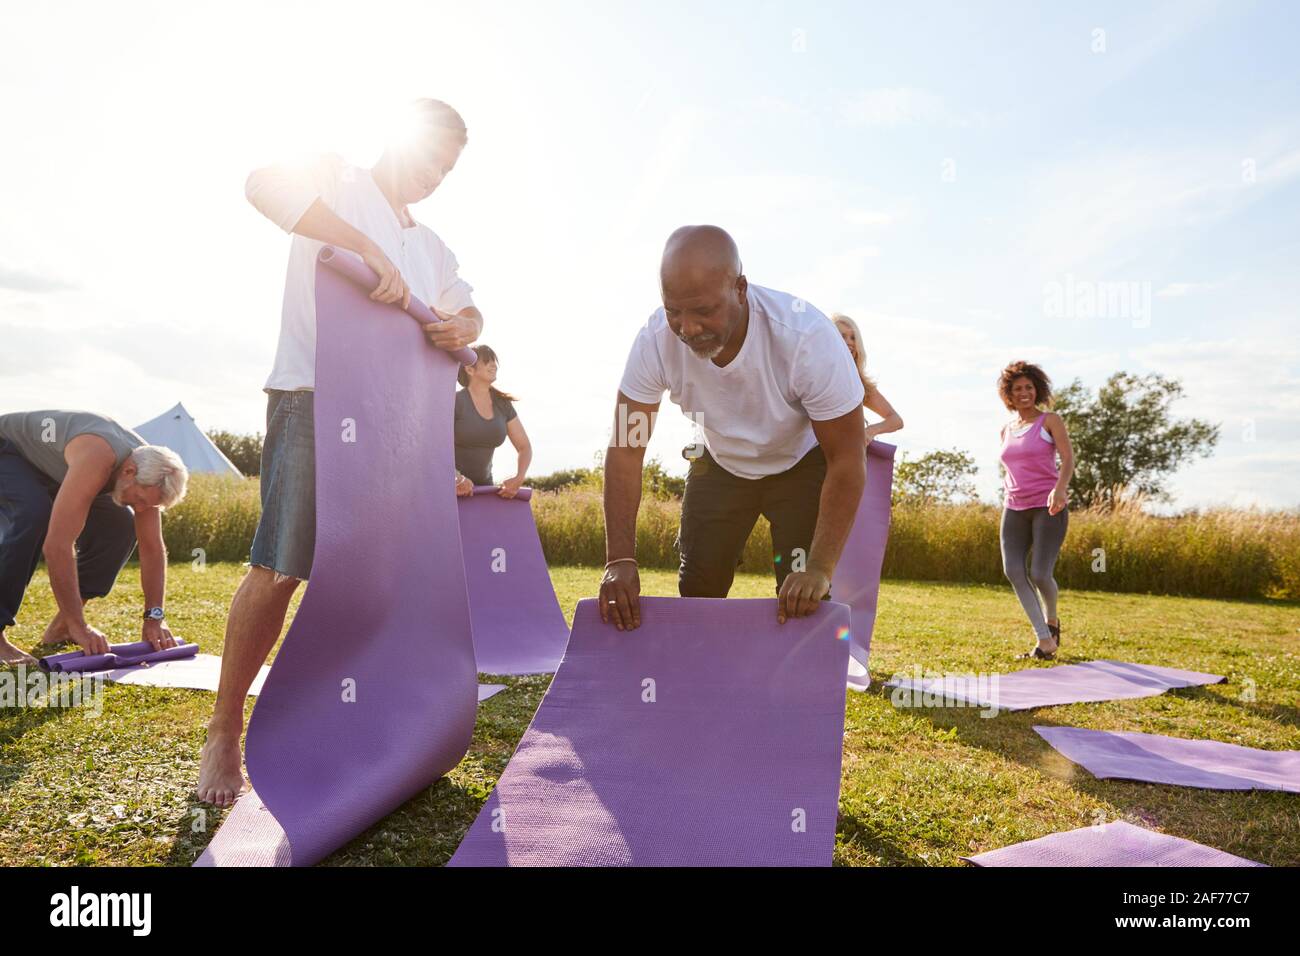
point(478, 437)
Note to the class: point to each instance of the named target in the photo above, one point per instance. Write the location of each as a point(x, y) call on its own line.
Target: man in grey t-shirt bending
point(79, 489)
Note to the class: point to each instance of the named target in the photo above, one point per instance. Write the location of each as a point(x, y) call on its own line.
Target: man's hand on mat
point(158, 635)
point(620, 596)
point(801, 594)
point(510, 487)
point(91, 640)
point(452, 333)
point(392, 287)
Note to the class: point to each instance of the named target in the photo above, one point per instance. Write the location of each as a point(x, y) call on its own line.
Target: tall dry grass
point(1219, 553)
point(218, 515)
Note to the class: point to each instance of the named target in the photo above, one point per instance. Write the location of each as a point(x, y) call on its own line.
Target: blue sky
point(930, 169)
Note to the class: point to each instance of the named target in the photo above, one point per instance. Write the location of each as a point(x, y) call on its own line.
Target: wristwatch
point(153, 614)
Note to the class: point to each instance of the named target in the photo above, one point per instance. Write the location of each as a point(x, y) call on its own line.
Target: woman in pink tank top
point(1035, 512)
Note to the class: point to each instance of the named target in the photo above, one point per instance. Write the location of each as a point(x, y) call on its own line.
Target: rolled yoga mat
point(1111, 844)
point(119, 656)
point(856, 581)
point(1152, 758)
point(372, 695)
point(709, 736)
point(1050, 686)
point(518, 625)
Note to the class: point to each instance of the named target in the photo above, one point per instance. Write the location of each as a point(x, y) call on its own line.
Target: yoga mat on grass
point(709, 736)
point(372, 695)
point(1112, 844)
point(1063, 684)
point(856, 581)
point(119, 655)
point(200, 672)
point(1153, 758)
point(250, 835)
point(518, 625)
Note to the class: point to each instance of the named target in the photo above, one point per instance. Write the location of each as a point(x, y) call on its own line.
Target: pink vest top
point(1029, 462)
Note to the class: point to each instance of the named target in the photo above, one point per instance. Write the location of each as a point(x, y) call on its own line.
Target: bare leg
point(13, 655)
point(256, 619)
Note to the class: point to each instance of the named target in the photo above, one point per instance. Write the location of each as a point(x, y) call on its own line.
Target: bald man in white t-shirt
point(778, 401)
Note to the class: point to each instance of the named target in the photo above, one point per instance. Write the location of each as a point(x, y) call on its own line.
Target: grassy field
point(920, 787)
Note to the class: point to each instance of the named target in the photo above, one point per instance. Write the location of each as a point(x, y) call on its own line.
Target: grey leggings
point(1033, 529)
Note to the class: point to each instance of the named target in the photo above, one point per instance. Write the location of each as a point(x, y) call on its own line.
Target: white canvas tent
point(175, 429)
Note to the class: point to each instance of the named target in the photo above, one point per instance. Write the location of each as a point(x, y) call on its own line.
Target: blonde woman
point(874, 401)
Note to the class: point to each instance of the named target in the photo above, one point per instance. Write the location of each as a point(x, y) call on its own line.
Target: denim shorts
point(286, 534)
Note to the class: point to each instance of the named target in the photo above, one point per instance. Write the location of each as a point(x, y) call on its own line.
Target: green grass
point(920, 787)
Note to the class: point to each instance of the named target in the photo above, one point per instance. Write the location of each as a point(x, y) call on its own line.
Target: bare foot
point(13, 655)
point(221, 777)
point(57, 631)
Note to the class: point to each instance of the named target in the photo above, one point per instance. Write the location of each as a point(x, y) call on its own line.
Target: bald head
point(704, 291)
point(695, 254)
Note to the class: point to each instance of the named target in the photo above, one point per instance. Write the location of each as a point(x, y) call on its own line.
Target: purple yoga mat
point(119, 655)
point(857, 576)
point(372, 696)
point(734, 762)
point(1110, 844)
point(351, 267)
point(1152, 758)
point(518, 625)
point(1050, 686)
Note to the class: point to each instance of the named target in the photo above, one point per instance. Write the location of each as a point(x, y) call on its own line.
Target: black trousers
point(719, 511)
point(26, 501)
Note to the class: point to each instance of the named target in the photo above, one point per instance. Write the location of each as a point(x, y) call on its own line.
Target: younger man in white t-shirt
point(778, 400)
point(365, 211)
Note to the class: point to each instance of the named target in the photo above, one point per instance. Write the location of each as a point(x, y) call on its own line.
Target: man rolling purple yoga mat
point(1112, 844)
point(372, 695)
point(709, 736)
point(119, 655)
point(1153, 758)
point(856, 581)
point(1050, 686)
point(518, 625)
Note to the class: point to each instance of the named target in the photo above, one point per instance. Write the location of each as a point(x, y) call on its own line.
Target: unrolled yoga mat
point(1152, 758)
point(1112, 844)
point(119, 655)
point(250, 835)
point(709, 736)
point(518, 625)
point(200, 672)
point(372, 696)
point(856, 581)
point(1050, 686)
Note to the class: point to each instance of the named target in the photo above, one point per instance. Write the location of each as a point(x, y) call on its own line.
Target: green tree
point(936, 477)
point(1126, 441)
point(244, 451)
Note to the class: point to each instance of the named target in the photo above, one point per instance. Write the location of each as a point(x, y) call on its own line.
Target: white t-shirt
point(755, 414)
point(284, 193)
